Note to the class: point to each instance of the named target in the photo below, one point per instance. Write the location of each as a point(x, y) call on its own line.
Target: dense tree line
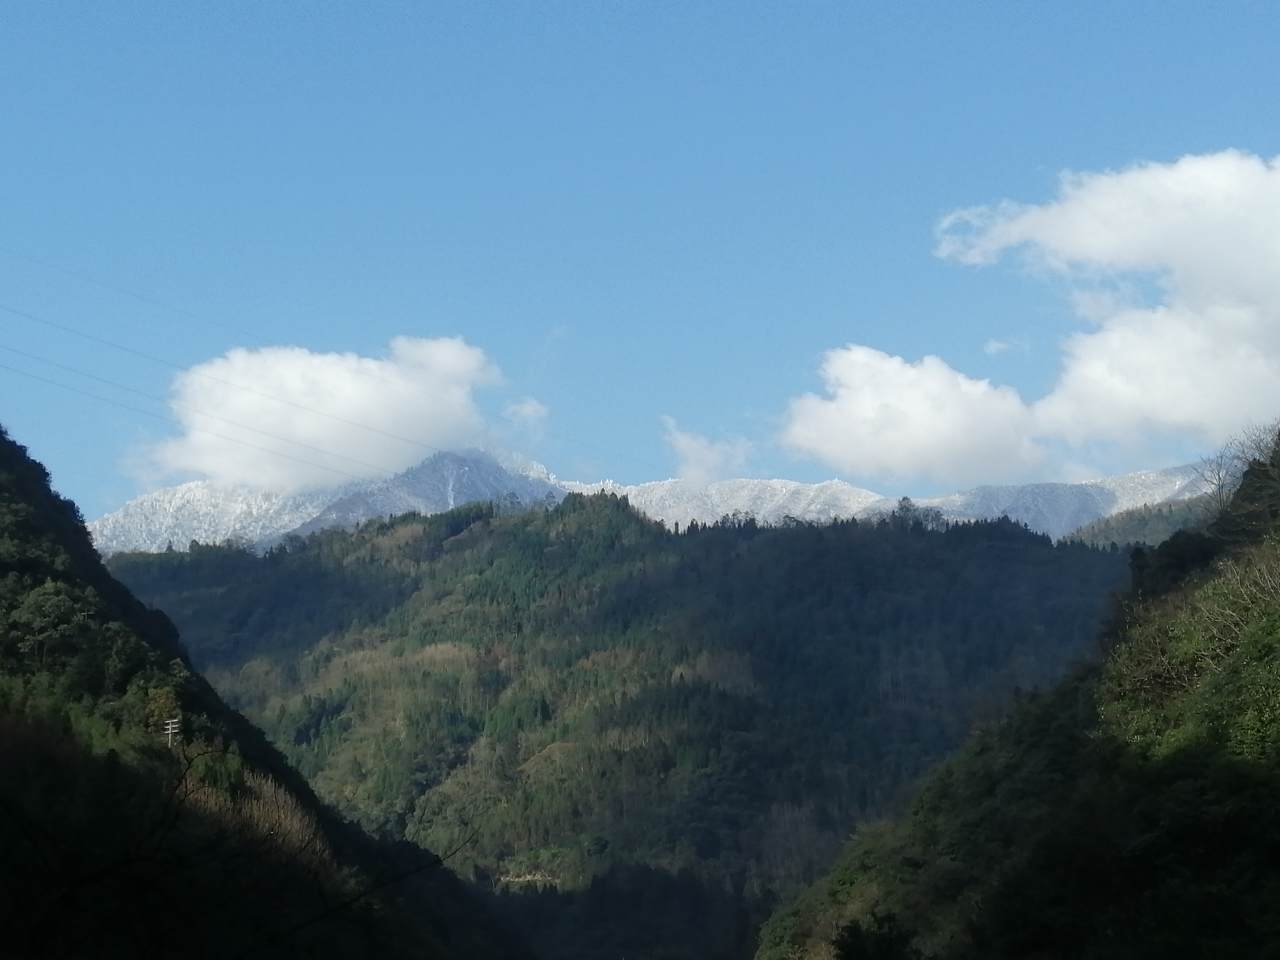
point(589, 702)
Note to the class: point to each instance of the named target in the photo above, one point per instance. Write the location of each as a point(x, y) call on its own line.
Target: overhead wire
point(104, 341)
point(189, 314)
point(203, 413)
point(160, 416)
point(155, 301)
point(125, 291)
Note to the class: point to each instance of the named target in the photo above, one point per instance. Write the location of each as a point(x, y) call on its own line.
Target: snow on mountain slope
point(769, 501)
point(1153, 486)
point(203, 511)
point(211, 514)
point(1052, 508)
point(1059, 508)
point(441, 482)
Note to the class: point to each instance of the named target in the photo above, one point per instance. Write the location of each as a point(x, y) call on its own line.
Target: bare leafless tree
point(1220, 472)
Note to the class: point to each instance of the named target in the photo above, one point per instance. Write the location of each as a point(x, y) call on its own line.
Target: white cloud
point(882, 417)
point(1202, 356)
point(529, 414)
point(325, 417)
point(994, 347)
point(1173, 274)
point(1168, 369)
point(701, 460)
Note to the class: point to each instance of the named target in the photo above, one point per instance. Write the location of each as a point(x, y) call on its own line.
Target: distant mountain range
point(1053, 508)
point(1060, 508)
point(212, 513)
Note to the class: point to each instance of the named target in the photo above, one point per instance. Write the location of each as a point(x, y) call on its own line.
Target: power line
point(208, 376)
point(155, 302)
point(202, 413)
point(116, 288)
point(160, 416)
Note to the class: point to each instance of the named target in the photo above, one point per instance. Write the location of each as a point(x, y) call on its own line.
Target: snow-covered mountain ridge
point(1052, 508)
point(769, 501)
point(1059, 508)
point(210, 513)
point(204, 511)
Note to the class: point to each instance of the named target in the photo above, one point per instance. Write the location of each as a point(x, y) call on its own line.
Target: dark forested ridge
point(642, 739)
point(115, 843)
point(1129, 813)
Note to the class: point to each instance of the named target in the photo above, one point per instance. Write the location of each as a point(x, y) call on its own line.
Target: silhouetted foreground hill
point(114, 842)
point(1130, 813)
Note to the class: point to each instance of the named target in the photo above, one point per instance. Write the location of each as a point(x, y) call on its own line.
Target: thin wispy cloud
point(994, 347)
point(528, 415)
point(700, 460)
point(527, 412)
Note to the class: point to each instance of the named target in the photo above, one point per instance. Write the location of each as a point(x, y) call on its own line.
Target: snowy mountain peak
point(441, 482)
point(211, 513)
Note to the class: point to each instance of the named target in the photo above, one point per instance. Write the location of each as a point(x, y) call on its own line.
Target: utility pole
point(171, 727)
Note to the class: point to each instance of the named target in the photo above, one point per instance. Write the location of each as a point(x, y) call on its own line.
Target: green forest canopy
point(586, 697)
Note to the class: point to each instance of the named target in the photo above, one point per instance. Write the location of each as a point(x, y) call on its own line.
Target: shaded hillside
point(116, 842)
point(1129, 813)
point(1147, 525)
point(606, 706)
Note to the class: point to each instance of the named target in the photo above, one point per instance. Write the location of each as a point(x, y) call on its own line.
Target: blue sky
point(632, 212)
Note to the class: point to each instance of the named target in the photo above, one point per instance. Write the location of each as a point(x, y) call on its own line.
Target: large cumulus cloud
point(288, 418)
point(884, 417)
point(1175, 269)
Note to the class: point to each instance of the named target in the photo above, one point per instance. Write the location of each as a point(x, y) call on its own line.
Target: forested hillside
point(116, 841)
point(640, 738)
point(1129, 813)
point(1148, 525)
